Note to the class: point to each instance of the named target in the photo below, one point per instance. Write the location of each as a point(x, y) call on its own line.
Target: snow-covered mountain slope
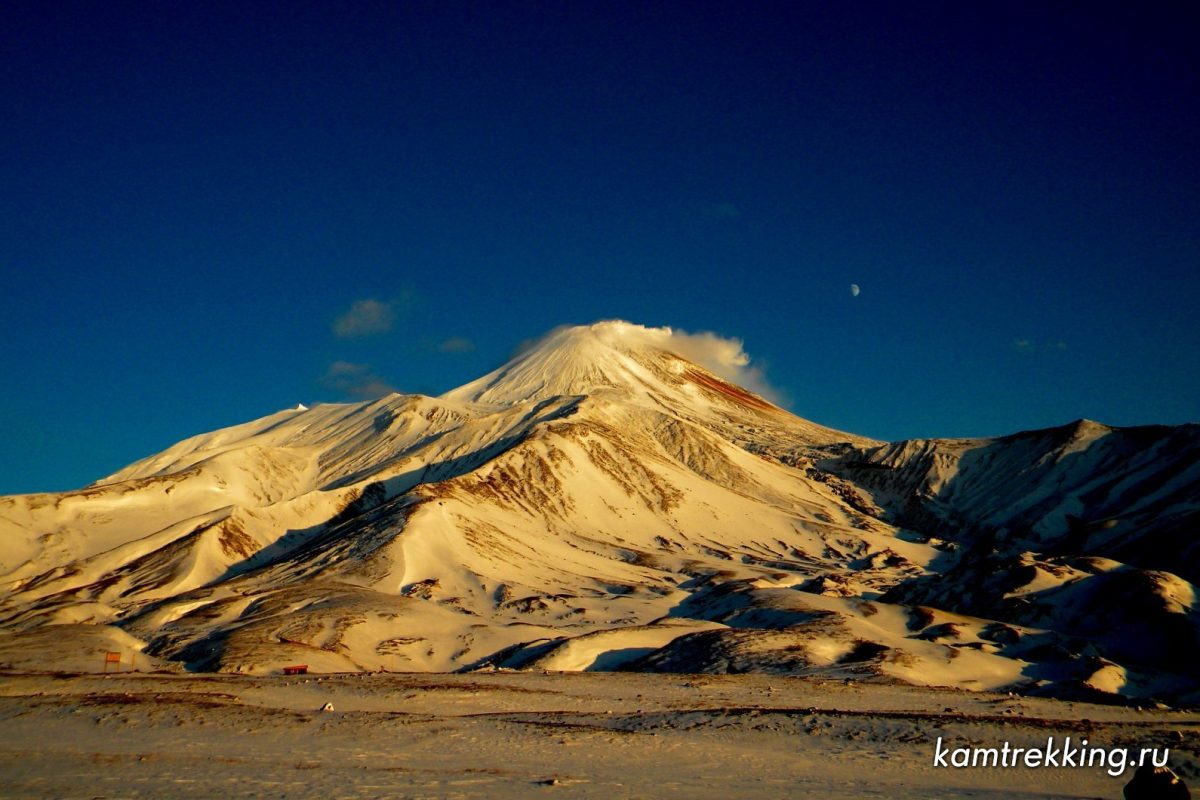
point(1131, 494)
point(1085, 529)
point(606, 501)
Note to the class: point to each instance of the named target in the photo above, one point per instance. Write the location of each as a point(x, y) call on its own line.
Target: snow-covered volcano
point(613, 498)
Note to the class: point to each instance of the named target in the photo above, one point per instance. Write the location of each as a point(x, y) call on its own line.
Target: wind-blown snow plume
point(725, 357)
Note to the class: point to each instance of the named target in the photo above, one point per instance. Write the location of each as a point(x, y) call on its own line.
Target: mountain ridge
point(603, 501)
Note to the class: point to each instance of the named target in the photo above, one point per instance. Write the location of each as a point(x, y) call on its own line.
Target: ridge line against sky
point(214, 212)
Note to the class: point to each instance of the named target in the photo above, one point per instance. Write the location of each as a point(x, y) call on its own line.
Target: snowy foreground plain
point(520, 735)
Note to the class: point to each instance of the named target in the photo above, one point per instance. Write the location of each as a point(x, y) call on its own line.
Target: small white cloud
point(456, 344)
point(358, 381)
point(365, 318)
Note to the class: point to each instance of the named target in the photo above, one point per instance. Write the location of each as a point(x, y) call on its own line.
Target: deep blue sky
point(192, 196)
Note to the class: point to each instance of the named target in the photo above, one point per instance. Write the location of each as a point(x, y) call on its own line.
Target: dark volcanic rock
point(1156, 783)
